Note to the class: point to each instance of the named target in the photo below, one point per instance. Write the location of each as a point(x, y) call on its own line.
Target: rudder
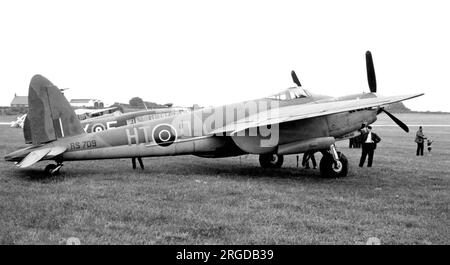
point(50, 115)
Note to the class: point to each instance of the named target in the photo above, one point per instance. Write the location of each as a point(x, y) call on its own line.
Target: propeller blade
point(295, 79)
point(371, 79)
point(399, 122)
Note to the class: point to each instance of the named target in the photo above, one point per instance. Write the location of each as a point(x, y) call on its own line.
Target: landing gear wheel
point(271, 160)
point(52, 169)
point(329, 168)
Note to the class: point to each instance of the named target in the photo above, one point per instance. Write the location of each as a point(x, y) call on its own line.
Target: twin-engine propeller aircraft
point(113, 121)
point(82, 115)
point(290, 122)
point(102, 119)
point(92, 113)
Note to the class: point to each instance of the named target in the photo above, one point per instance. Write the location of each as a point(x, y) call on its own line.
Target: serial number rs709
point(83, 145)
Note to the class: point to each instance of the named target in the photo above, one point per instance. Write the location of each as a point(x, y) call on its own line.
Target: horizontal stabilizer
point(37, 155)
point(33, 157)
point(57, 150)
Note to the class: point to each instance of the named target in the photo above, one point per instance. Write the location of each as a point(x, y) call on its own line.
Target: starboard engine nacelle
point(255, 144)
point(259, 145)
point(298, 147)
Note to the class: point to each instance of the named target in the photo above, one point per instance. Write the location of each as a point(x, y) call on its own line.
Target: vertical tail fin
point(50, 115)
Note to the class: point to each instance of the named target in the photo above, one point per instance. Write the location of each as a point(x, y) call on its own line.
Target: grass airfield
point(402, 199)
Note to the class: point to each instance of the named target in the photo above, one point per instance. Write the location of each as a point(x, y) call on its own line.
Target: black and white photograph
point(234, 123)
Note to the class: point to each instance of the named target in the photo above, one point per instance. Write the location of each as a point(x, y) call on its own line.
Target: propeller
point(371, 79)
point(295, 78)
point(396, 120)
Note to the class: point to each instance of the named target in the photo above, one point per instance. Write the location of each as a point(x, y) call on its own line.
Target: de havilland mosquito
point(293, 121)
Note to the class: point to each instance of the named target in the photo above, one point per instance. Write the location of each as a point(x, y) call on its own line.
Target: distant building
point(86, 103)
point(19, 101)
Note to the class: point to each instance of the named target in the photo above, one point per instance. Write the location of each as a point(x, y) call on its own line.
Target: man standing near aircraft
point(369, 143)
point(133, 161)
point(306, 157)
point(419, 140)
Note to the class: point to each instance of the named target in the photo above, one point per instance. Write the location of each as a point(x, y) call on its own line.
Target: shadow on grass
point(233, 171)
point(181, 168)
point(38, 175)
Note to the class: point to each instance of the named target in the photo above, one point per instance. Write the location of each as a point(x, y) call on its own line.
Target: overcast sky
point(215, 52)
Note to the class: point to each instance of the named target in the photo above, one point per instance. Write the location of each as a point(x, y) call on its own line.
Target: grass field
point(403, 199)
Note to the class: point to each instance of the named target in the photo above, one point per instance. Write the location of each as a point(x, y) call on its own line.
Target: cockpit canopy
point(291, 93)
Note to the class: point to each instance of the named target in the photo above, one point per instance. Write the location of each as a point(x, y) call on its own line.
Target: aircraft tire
point(327, 169)
point(48, 169)
point(271, 160)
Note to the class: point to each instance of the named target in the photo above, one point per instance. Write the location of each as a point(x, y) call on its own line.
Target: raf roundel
point(98, 127)
point(164, 135)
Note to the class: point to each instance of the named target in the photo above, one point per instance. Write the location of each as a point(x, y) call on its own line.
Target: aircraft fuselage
point(190, 133)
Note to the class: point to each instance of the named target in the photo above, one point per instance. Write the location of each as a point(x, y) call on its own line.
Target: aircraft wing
point(93, 111)
point(37, 155)
point(102, 110)
point(305, 111)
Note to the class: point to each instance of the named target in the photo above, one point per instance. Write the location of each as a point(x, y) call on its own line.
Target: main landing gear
point(53, 169)
point(271, 160)
point(333, 164)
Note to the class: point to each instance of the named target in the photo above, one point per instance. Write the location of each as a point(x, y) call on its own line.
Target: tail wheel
point(49, 169)
point(329, 168)
point(271, 160)
point(52, 169)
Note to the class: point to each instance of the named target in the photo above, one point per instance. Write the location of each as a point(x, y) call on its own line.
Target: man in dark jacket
point(419, 140)
point(369, 142)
